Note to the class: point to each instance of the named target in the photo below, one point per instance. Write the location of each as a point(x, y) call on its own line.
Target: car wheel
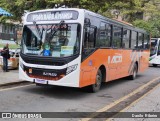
point(18, 66)
point(1, 67)
point(154, 65)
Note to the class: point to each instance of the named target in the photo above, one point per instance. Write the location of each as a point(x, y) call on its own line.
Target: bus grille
point(47, 74)
point(45, 77)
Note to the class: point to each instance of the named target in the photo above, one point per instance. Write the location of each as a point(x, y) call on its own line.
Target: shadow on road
point(118, 81)
point(60, 92)
point(158, 66)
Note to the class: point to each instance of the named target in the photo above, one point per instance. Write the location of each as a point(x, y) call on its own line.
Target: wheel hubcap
point(98, 81)
point(135, 72)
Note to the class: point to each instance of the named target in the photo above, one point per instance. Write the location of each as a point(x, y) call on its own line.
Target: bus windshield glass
point(56, 40)
point(153, 49)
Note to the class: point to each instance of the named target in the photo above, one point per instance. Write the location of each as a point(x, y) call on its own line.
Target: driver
point(46, 51)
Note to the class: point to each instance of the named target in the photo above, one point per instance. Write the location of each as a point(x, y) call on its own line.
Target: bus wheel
point(134, 74)
point(154, 65)
point(96, 87)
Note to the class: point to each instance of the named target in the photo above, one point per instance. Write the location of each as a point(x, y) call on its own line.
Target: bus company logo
point(49, 74)
point(115, 59)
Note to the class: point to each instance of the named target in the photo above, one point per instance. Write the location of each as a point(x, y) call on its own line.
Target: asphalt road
point(62, 99)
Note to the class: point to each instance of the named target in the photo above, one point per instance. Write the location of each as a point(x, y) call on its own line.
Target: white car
point(13, 62)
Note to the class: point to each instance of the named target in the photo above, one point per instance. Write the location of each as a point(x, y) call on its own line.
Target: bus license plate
point(40, 81)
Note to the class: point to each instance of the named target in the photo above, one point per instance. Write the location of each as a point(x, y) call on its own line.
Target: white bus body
point(46, 17)
point(155, 52)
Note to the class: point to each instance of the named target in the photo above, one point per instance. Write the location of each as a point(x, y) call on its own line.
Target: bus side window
point(104, 38)
point(86, 37)
point(117, 37)
point(140, 40)
point(146, 41)
point(134, 40)
point(158, 53)
point(126, 38)
point(89, 40)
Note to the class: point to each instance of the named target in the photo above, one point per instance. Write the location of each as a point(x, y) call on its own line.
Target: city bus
point(155, 52)
point(78, 48)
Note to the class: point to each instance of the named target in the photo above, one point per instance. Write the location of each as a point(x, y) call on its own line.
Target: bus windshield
point(51, 40)
point(153, 49)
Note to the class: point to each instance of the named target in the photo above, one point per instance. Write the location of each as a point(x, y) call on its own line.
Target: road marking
point(136, 101)
point(120, 100)
point(15, 87)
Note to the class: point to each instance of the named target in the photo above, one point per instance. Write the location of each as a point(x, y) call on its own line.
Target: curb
point(14, 83)
point(120, 104)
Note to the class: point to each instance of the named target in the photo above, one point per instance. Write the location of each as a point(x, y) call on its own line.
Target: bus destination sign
point(52, 15)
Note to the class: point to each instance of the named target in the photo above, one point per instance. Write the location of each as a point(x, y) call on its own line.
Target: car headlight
point(71, 69)
point(21, 65)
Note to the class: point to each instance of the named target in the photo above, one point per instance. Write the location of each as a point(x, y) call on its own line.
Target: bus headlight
point(71, 69)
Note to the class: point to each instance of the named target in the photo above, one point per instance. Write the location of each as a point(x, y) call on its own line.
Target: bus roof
point(121, 23)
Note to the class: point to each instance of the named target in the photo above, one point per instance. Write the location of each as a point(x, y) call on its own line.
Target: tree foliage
point(151, 10)
point(152, 26)
point(131, 10)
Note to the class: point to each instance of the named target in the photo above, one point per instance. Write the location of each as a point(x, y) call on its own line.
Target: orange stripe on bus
point(114, 69)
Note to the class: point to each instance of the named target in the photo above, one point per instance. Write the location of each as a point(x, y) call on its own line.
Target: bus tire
point(154, 65)
point(96, 87)
point(134, 73)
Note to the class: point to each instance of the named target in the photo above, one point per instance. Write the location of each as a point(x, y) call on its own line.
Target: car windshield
point(11, 53)
point(153, 48)
point(56, 40)
point(14, 52)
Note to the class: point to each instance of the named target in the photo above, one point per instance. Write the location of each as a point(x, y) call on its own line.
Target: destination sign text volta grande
point(52, 15)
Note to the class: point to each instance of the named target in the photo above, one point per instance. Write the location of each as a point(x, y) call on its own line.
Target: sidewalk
point(148, 103)
point(9, 77)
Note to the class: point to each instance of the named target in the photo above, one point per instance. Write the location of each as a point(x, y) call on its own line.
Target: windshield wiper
point(37, 29)
point(54, 32)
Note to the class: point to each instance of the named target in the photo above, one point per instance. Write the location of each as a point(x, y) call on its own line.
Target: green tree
point(151, 23)
point(130, 10)
point(17, 7)
point(152, 26)
point(143, 24)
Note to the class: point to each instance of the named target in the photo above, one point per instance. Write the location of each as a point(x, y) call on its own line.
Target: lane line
point(121, 99)
point(136, 101)
point(15, 87)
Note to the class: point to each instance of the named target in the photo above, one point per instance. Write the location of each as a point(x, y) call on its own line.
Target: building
point(7, 32)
